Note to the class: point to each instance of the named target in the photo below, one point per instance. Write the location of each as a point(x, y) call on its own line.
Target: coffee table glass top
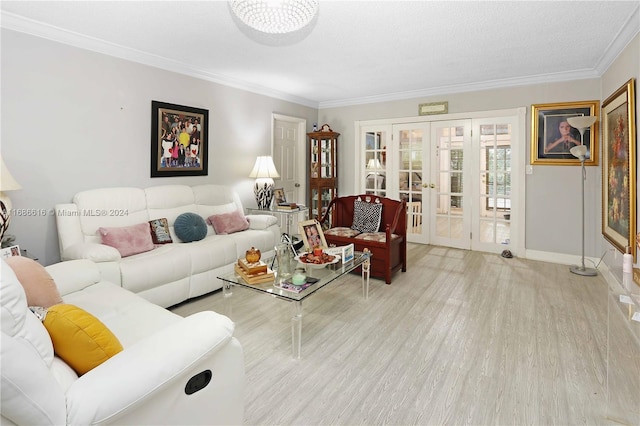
point(325, 275)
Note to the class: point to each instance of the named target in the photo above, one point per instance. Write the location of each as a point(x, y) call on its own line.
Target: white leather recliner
point(172, 370)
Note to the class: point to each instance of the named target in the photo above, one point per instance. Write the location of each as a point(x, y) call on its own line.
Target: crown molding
point(462, 88)
point(21, 24)
point(627, 32)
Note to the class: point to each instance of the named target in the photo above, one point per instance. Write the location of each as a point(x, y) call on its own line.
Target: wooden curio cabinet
point(323, 170)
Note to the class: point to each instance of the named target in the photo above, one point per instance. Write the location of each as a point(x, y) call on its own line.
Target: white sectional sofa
point(170, 273)
point(148, 382)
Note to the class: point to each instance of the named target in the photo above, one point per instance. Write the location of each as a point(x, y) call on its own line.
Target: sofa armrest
point(261, 221)
point(146, 382)
point(92, 251)
point(74, 275)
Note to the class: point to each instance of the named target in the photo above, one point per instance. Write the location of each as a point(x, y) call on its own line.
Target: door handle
point(432, 185)
point(424, 185)
point(297, 185)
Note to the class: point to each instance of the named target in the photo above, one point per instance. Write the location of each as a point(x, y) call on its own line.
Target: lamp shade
point(582, 122)
point(579, 151)
point(264, 168)
point(7, 182)
point(374, 164)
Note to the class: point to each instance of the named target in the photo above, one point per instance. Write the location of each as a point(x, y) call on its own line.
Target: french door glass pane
point(410, 175)
point(375, 156)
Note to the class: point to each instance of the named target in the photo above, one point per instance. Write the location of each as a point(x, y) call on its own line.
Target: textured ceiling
point(354, 51)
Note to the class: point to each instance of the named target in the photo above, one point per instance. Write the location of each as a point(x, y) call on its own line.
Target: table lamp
point(264, 171)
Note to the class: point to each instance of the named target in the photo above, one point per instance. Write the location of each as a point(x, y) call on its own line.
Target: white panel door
point(288, 156)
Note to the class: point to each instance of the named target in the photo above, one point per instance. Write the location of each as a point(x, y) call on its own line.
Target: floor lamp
point(582, 123)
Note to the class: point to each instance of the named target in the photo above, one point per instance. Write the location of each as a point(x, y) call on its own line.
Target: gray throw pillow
point(190, 227)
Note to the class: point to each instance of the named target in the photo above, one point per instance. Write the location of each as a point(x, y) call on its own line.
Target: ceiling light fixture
point(276, 16)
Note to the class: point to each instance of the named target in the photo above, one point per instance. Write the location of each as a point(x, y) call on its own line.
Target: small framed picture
point(278, 196)
point(312, 234)
point(10, 252)
point(347, 253)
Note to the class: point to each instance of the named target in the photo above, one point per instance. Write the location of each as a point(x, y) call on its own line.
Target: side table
point(285, 217)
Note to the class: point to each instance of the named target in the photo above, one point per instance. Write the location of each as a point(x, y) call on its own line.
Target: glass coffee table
point(325, 275)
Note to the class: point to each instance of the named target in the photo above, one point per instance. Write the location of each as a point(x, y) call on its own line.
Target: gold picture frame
point(312, 234)
point(552, 137)
point(619, 168)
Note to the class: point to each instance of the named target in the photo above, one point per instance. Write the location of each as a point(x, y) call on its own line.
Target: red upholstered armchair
point(388, 242)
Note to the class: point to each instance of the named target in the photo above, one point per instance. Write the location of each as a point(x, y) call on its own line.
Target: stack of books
point(254, 273)
point(287, 206)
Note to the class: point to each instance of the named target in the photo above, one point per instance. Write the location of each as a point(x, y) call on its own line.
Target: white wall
point(74, 120)
point(553, 192)
point(626, 66)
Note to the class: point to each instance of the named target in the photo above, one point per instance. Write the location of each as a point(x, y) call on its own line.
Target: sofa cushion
point(128, 240)
point(228, 223)
point(79, 338)
point(190, 227)
point(160, 233)
point(38, 285)
point(366, 216)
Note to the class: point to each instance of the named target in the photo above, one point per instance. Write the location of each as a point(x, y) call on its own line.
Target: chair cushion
point(366, 216)
point(380, 237)
point(160, 233)
point(228, 223)
point(190, 227)
point(79, 338)
point(341, 231)
point(128, 240)
point(38, 285)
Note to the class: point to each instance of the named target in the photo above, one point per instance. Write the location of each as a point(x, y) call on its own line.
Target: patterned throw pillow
point(366, 216)
point(160, 231)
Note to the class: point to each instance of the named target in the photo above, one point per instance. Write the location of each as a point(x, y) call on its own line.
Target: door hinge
point(471, 235)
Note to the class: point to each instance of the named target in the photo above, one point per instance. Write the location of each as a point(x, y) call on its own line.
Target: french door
point(455, 175)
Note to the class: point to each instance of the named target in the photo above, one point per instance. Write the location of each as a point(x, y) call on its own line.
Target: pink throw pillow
point(128, 240)
point(228, 223)
point(38, 285)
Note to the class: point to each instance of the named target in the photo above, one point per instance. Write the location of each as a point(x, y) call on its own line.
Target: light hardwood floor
point(460, 338)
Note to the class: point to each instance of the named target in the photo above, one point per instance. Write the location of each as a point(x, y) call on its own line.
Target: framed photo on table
point(279, 196)
point(11, 251)
point(552, 137)
point(312, 234)
point(179, 140)
point(619, 168)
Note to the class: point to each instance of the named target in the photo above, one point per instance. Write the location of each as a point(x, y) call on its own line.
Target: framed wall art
point(619, 168)
point(552, 137)
point(179, 140)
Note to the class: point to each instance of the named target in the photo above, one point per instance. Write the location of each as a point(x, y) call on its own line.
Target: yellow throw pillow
point(79, 338)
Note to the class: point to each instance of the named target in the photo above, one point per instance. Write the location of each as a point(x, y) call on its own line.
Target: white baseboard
point(563, 259)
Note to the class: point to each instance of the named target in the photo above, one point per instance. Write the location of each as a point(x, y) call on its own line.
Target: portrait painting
point(552, 137)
